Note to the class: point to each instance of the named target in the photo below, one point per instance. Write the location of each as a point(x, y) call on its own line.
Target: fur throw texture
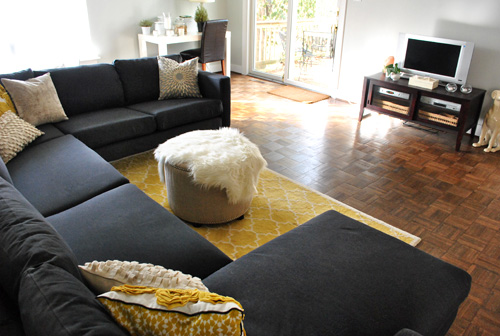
point(221, 158)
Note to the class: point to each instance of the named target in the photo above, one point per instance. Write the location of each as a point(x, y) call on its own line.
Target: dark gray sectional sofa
point(62, 204)
point(114, 109)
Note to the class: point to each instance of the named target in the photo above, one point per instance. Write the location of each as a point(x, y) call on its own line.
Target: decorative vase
point(200, 26)
point(191, 24)
point(466, 88)
point(160, 27)
point(451, 87)
point(146, 30)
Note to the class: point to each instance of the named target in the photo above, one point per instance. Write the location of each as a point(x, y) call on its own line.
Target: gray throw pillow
point(178, 80)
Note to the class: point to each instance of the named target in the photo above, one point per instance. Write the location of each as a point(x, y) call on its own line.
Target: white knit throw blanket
point(221, 158)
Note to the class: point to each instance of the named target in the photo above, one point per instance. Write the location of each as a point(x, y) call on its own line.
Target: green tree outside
point(276, 10)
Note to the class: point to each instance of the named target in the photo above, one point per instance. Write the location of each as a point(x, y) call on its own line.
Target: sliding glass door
point(269, 43)
point(296, 41)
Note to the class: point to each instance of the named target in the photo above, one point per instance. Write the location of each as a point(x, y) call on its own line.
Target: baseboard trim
point(237, 68)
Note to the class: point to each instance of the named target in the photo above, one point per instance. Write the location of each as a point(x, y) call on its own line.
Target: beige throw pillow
point(102, 275)
point(36, 99)
point(178, 80)
point(15, 134)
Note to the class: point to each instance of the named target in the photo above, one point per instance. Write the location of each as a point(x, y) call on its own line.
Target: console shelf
point(436, 108)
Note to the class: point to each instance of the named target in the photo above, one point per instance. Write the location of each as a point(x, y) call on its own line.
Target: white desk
point(163, 41)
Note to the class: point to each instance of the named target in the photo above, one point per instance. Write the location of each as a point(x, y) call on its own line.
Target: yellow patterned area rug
point(280, 205)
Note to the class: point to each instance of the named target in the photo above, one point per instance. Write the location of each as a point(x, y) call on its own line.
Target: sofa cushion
point(87, 88)
point(15, 134)
point(342, 278)
point(121, 149)
point(36, 99)
point(177, 112)
point(125, 224)
point(60, 173)
point(53, 302)
point(50, 132)
point(100, 128)
point(27, 240)
point(140, 78)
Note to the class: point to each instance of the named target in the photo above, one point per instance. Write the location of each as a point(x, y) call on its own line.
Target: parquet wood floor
point(410, 178)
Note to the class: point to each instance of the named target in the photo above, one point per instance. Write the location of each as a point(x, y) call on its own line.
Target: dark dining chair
point(213, 45)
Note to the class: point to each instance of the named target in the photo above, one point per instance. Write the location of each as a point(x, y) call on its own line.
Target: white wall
point(236, 26)
point(114, 24)
point(216, 10)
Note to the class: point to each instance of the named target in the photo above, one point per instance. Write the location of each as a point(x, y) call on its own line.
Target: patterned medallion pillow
point(15, 134)
point(102, 275)
point(160, 311)
point(178, 80)
point(5, 102)
point(36, 99)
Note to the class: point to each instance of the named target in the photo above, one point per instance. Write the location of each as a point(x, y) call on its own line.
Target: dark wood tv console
point(436, 108)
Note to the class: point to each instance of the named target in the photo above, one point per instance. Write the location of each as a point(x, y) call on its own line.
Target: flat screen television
point(444, 59)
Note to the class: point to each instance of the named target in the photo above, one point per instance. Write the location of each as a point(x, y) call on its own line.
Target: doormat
point(279, 206)
point(298, 94)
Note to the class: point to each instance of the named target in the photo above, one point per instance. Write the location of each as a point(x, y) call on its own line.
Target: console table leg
point(364, 97)
point(162, 49)
point(143, 47)
point(459, 142)
point(361, 113)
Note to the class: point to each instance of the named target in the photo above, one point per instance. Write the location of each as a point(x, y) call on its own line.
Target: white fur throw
point(221, 158)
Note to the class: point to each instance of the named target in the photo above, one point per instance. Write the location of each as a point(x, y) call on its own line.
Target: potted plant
point(146, 26)
point(391, 69)
point(200, 16)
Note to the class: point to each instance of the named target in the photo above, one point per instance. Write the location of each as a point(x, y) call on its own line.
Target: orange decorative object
point(389, 60)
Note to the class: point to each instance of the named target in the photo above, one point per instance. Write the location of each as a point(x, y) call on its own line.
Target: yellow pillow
point(6, 103)
point(159, 311)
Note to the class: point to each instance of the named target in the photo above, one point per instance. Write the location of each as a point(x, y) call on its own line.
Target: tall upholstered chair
point(213, 45)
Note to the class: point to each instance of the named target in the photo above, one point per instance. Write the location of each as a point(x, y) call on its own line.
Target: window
point(44, 34)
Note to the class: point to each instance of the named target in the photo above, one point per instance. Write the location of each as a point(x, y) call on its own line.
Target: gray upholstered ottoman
point(196, 203)
point(210, 176)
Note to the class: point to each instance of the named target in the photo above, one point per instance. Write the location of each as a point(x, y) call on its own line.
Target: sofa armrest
point(218, 87)
point(10, 322)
